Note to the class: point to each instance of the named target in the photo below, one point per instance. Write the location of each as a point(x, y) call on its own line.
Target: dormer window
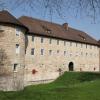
point(46, 29)
point(82, 37)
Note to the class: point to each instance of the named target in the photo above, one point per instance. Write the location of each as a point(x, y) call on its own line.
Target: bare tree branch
point(88, 8)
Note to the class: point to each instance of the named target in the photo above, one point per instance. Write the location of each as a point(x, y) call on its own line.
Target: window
point(33, 38)
point(70, 43)
point(15, 67)
point(32, 51)
point(81, 53)
point(42, 51)
point(1, 28)
point(50, 52)
point(17, 48)
point(82, 37)
point(86, 54)
point(57, 42)
point(86, 45)
point(48, 31)
point(41, 39)
point(64, 53)
point(90, 47)
point(57, 51)
point(64, 43)
point(50, 41)
point(76, 44)
point(81, 45)
point(17, 31)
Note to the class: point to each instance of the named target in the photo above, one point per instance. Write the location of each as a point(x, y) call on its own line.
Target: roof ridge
point(40, 20)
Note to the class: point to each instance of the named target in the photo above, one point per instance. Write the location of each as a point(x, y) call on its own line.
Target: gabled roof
point(7, 18)
point(45, 28)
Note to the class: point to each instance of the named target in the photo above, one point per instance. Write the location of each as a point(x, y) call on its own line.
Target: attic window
point(46, 29)
point(82, 37)
point(1, 29)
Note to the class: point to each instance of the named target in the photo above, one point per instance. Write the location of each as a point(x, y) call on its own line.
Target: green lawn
point(70, 86)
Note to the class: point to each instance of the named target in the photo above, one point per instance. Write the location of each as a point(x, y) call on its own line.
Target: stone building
point(12, 42)
point(52, 47)
point(39, 51)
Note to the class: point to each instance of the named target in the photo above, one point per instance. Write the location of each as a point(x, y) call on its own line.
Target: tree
point(90, 8)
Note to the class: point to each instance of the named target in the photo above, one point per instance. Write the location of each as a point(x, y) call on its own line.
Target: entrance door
point(71, 66)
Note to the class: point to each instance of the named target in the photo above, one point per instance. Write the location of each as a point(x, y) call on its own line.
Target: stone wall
point(83, 56)
point(8, 41)
point(37, 68)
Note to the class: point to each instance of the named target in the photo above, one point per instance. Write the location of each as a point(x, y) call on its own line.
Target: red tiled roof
point(40, 27)
point(7, 18)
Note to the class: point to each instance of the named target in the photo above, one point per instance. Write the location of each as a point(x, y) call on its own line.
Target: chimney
point(65, 26)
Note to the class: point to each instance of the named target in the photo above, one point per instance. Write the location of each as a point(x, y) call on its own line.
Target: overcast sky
point(82, 23)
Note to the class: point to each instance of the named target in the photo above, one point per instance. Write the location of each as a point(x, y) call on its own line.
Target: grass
point(70, 86)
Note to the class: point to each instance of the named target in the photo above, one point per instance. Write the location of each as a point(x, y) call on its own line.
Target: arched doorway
point(71, 66)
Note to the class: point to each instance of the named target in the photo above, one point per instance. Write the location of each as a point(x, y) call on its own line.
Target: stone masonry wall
point(84, 57)
point(12, 80)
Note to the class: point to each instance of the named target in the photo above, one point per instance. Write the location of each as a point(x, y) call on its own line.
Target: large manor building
point(34, 51)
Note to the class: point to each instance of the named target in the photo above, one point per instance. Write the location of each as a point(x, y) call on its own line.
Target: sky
point(83, 23)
